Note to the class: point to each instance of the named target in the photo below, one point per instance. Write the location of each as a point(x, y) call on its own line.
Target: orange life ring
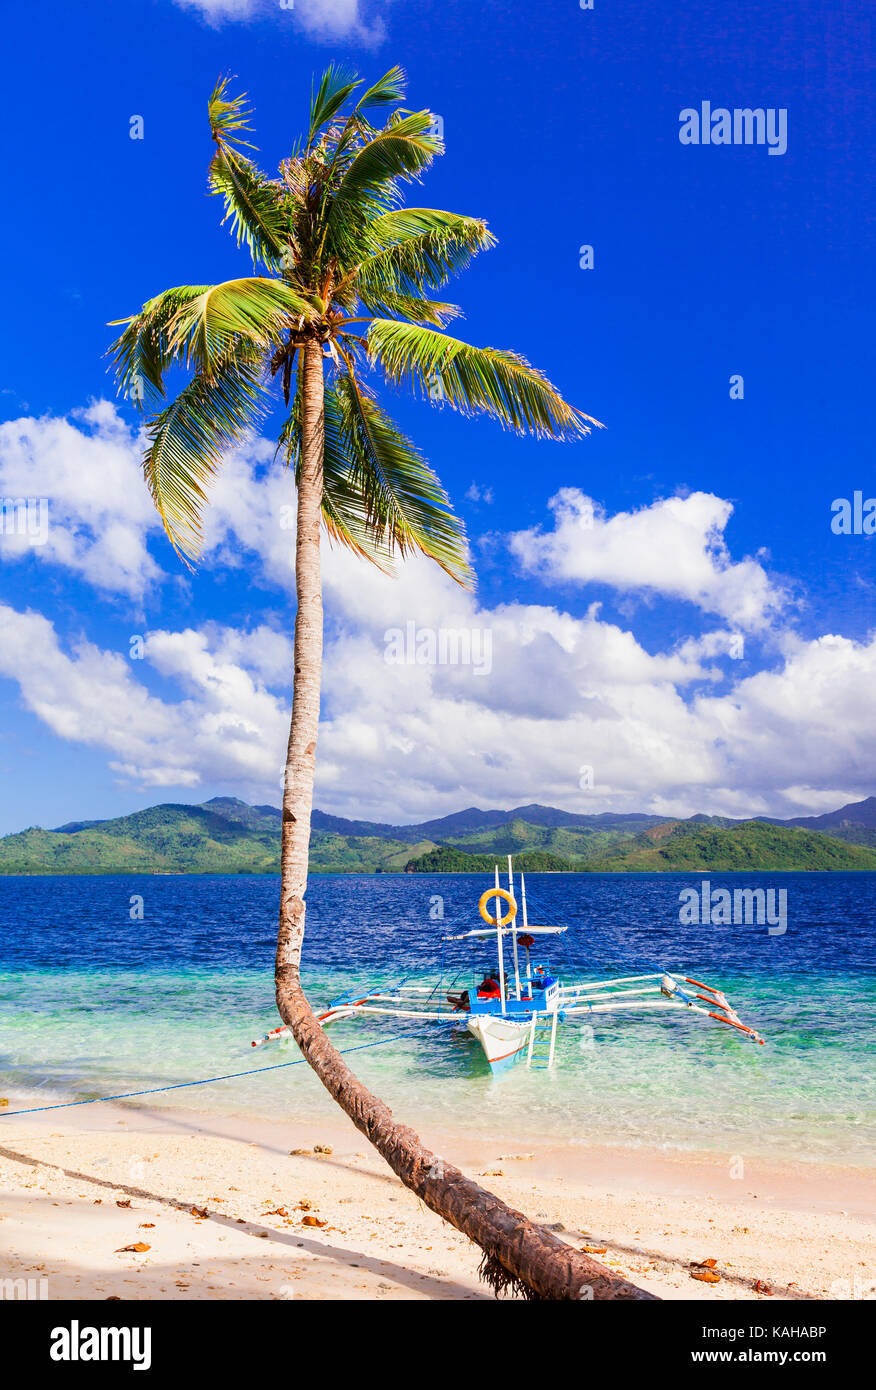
point(497, 893)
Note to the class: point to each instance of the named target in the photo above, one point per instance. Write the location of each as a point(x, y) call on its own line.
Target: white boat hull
point(502, 1039)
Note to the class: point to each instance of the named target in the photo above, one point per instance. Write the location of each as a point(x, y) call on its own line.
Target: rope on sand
point(181, 1085)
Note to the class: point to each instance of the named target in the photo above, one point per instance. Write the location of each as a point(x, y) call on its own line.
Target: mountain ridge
point(227, 835)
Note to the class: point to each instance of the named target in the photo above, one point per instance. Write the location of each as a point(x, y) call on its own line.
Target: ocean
point(97, 999)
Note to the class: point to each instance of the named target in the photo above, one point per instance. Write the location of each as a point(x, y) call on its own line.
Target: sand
point(228, 1212)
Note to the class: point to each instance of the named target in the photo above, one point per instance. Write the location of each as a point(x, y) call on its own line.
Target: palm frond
point(402, 149)
point(254, 204)
point(141, 354)
point(473, 380)
point(256, 311)
point(326, 99)
point(387, 89)
point(338, 250)
point(369, 185)
point(229, 118)
point(420, 248)
point(187, 441)
point(406, 507)
point(343, 511)
point(413, 307)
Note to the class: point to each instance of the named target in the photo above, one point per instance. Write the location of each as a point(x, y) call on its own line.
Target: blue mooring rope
point(181, 1085)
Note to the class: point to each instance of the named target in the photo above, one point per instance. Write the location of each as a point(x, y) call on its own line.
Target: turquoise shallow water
point(94, 1003)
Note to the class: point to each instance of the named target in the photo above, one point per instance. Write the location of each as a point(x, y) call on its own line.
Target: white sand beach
point(228, 1212)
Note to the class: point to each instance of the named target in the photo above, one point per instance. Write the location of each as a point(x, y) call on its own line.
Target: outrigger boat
point(514, 1011)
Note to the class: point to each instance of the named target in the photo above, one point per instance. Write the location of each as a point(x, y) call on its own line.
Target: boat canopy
point(508, 931)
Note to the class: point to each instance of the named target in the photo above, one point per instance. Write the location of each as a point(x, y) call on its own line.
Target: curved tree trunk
point(517, 1253)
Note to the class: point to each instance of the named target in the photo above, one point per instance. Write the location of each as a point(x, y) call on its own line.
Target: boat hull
point(503, 1040)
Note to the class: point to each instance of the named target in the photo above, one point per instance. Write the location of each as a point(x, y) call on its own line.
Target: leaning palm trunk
point(517, 1253)
point(347, 266)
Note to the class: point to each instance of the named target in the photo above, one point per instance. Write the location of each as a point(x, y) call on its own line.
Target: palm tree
point(347, 277)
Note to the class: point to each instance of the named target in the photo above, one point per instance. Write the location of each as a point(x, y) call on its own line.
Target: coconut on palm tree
point(344, 294)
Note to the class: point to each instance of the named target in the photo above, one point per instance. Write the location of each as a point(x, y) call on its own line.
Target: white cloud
point(99, 513)
point(804, 726)
point(335, 18)
point(566, 694)
point(675, 547)
point(89, 697)
point(225, 727)
point(321, 19)
point(222, 9)
point(479, 493)
point(563, 693)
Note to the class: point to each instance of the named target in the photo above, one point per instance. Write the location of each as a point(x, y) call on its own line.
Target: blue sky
point(611, 643)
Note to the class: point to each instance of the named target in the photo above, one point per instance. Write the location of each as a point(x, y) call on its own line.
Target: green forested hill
point(222, 836)
point(567, 842)
point(447, 859)
point(228, 836)
point(162, 838)
point(751, 845)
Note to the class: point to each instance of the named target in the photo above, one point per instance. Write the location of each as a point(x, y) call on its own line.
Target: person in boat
point(540, 977)
point(487, 989)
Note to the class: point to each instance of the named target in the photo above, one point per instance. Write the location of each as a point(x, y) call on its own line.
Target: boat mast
point(514, 930)
point(525, 928)
point(499, 943)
